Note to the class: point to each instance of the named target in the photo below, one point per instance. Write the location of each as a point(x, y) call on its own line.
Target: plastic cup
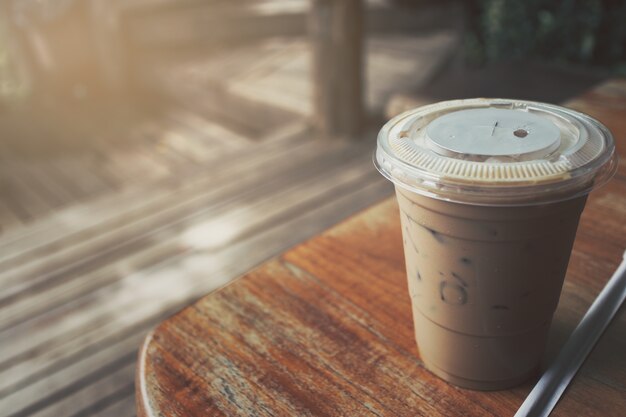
point(490, 193)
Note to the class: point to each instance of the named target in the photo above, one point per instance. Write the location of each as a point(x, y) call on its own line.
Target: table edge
point(142, 399)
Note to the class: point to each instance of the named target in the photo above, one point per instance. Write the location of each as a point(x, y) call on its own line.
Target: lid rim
point(522, 200)
point(544, 187)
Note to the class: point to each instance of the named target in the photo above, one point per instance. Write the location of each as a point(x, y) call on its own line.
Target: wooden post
point(336, 30)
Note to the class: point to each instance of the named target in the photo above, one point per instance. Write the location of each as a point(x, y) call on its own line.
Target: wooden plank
point(84, 367)
point(118, 383)
point(9, 218)
point(416, 62)
point(44, 173)
point(282, 81)
point(26, 202)
point(69, 183)
point(206, 130)
point(165, 143)
point(336, 33)
point(85, 358)
point(68, 221)
point(18, 275)
point(13, 202)
point(104, 167)
point(82, 174)
point(121, 408)
point(29, 192)
point(215, 230)
point(133, 163)
point(214, 95)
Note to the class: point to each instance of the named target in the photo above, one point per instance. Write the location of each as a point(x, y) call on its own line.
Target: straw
point(557, 377)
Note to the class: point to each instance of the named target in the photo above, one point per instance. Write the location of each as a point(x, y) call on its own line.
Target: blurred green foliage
point(583, 32)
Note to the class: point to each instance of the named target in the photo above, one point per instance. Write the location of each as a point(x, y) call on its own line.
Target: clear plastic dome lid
point(496, 152)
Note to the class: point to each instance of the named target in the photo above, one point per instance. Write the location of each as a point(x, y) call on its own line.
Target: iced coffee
point(490, 193)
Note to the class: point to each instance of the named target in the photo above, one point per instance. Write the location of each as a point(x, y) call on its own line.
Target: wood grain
point(325, 329)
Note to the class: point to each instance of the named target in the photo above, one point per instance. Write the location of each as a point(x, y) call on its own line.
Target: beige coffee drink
point(490, 193)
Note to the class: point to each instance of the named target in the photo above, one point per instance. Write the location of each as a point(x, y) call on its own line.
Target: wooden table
point(325, 329)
